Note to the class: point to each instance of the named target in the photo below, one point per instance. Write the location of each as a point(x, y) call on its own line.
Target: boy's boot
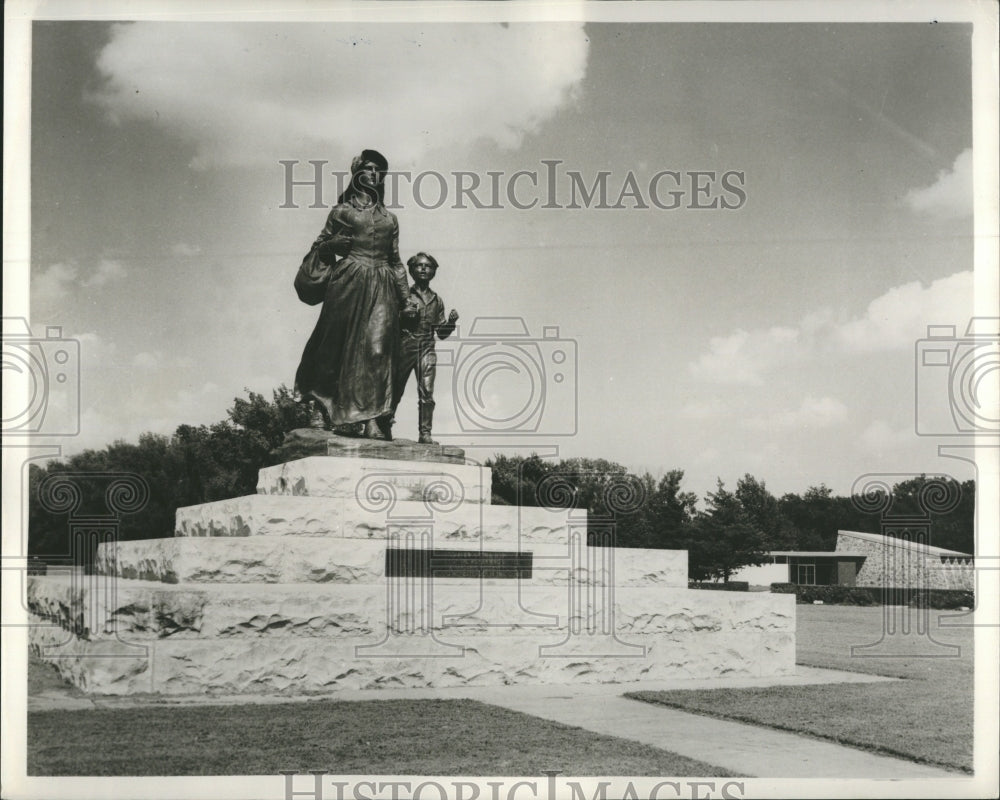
point(425, 422)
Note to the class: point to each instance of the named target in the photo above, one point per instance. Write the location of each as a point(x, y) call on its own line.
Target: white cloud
point(147, 411)
point(813, 412)
point(880, 437)
point(901, 316)
point(106, 271)
point(57, 281)
point(247, 94)
point(893, 321)
point(157, 360)
point(184, 249)
point(95, 351)
point(52, 284)
point(146, 361)
point(743, 357)
point(711, 408)
point(950, 196)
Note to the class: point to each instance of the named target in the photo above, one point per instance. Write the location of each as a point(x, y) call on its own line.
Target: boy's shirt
point(430, 310)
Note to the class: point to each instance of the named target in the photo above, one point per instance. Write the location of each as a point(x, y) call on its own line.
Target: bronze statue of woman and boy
point(374, 329)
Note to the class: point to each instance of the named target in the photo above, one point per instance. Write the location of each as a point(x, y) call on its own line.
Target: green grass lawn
point(399, 737)
point(926, 717)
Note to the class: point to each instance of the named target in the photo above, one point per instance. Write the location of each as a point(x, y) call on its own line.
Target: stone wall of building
point(899, 563)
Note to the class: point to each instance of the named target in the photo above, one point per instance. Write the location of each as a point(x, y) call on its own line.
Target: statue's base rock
point(390, 568)
point(304, 442)
point(286, 638)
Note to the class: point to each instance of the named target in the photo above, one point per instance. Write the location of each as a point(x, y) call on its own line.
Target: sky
point(774, 337)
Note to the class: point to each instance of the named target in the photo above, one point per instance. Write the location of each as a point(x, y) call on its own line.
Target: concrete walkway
point(748, 750)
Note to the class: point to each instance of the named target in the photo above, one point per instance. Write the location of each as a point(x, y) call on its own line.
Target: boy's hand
point(410, 312)
point(452, 317)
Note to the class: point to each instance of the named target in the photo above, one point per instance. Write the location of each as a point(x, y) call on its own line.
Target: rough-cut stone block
point(305, 442)
point(296, 666)
point(292, 559)
point(658, 634)
point(106, 666)
point(287, 515)
point(376, 484)
point(138, 610)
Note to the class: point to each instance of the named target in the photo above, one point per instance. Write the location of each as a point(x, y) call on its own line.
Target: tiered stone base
point(288, 591)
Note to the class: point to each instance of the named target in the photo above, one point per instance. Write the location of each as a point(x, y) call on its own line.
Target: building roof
point(892, 541)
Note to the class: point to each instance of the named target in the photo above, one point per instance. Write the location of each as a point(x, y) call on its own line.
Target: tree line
point(727, 529)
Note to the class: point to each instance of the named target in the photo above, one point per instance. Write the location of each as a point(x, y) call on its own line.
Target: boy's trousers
point(417, 355)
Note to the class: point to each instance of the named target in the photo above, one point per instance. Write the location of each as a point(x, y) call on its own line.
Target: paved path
point(749, 750)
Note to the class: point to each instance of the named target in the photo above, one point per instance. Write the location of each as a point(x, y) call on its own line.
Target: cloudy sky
point(776, 337)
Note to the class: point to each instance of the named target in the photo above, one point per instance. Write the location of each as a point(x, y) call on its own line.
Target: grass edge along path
point(925, 716)
point(691, 705)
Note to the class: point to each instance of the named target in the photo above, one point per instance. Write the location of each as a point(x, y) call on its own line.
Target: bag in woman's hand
point(314, 273)
point(312, 278)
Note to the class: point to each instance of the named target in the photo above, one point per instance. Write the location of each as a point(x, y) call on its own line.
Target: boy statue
point(422, 318)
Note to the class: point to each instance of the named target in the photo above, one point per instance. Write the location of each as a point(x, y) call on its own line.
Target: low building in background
point(892, 561)
point(866, 559)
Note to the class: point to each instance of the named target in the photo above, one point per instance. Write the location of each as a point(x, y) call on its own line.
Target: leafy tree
point(668, 513)
point(199, 464)
point(813, 517)
point(607, 491)
point(764, 512)
point(195, 465)
point(722, 538)
point(922, 496)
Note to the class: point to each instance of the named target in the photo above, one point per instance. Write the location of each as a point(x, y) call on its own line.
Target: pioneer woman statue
point(349, 363)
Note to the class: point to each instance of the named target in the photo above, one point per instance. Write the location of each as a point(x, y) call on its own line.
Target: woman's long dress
point(348, 362)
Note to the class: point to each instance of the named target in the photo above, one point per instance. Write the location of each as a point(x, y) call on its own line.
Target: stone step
point(296, 666)
point(134, 610)
point(184, 638)
point(305, 559)
point(288, 515)
point(377, 483)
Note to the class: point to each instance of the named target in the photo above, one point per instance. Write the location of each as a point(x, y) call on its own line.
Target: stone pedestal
point(361, 571)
